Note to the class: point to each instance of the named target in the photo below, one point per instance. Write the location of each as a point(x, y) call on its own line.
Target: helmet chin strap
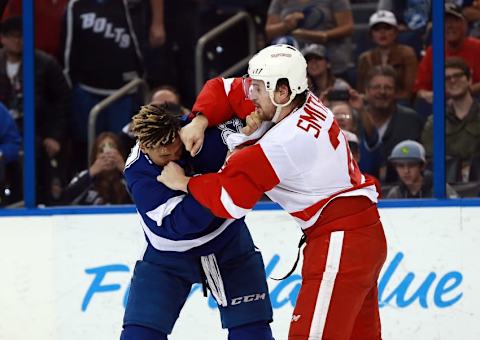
point(279, 107)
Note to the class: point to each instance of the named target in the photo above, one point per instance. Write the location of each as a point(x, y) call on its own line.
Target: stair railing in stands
point(92, 117)
point(212, 34)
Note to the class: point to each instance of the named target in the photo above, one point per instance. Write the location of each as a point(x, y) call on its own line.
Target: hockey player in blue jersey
point(186, 243)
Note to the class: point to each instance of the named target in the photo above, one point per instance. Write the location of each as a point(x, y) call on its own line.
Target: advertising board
point(66, 277)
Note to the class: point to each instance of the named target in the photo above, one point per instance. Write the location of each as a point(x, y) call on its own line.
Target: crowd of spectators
point(369, 61)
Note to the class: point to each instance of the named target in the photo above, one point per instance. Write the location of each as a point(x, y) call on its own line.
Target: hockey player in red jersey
point(304, 164)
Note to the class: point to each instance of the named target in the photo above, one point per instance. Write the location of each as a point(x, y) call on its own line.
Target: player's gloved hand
point(253, 121)
point(173, 176)
point(193, 133)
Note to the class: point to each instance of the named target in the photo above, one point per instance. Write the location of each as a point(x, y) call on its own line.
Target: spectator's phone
point(338, 95)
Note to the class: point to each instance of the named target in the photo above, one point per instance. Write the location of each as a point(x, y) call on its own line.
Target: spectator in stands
point(148, 15)
point(382, 122)
point(48, 16)
point(471, 13)
point(462, 121)
point(103, 182)
point(168, 95)
point(174, 62)
point(353, 144)
point(456, 44)
point(319, 73)
point(413, 18)
point(384, 32)
point(52, 105)
point(161, 95)
point(165, 94)
point(326, 22)
point(344, 115)
point(10, 143)
point(414, 181)
point(104, 29)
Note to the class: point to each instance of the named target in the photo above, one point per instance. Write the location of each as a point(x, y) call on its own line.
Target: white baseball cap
point(382, 16)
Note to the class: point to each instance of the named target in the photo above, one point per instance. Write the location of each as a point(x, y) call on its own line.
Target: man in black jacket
point(383, 123)
point(52, 103)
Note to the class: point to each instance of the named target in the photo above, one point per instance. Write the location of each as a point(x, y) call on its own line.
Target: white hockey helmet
point(277, 62)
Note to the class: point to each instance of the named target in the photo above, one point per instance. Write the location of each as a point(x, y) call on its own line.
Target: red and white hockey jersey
point(302, 163)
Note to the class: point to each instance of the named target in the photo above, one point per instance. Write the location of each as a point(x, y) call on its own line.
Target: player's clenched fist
point(173, 176)
point(193, 133)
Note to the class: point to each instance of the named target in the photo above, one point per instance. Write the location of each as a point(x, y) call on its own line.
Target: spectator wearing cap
point(471, 12)
point(384, 32)
point(413, 18)
point(326, 22)
point(462, 121)
point(320, 76)
point(408, 159)
point(52, 104)
point(457, 44)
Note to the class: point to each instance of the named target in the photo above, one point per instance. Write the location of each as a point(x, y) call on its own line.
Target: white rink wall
point(65, 277)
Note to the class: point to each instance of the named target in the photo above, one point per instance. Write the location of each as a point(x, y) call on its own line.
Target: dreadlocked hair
point(154, 125)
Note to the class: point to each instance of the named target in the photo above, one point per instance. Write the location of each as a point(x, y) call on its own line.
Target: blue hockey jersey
point(172, 220)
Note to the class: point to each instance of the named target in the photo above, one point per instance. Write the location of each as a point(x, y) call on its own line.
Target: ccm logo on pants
point(247, 298)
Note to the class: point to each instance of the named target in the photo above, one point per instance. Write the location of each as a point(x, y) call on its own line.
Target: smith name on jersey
point(171, 220)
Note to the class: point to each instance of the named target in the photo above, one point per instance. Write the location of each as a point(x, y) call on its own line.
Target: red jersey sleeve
point(233, 191)
point(222, 98)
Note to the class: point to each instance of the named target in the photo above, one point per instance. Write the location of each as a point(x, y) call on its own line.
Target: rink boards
point(66, 277)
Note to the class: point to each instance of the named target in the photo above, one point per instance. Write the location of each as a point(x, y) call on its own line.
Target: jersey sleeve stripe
point(207, 190)
point(163, 210)
point(227, 85)
point(133, 157)
point(234, 210)
point(165, 244)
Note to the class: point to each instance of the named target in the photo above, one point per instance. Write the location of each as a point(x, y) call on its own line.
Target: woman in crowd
point(102, 182)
